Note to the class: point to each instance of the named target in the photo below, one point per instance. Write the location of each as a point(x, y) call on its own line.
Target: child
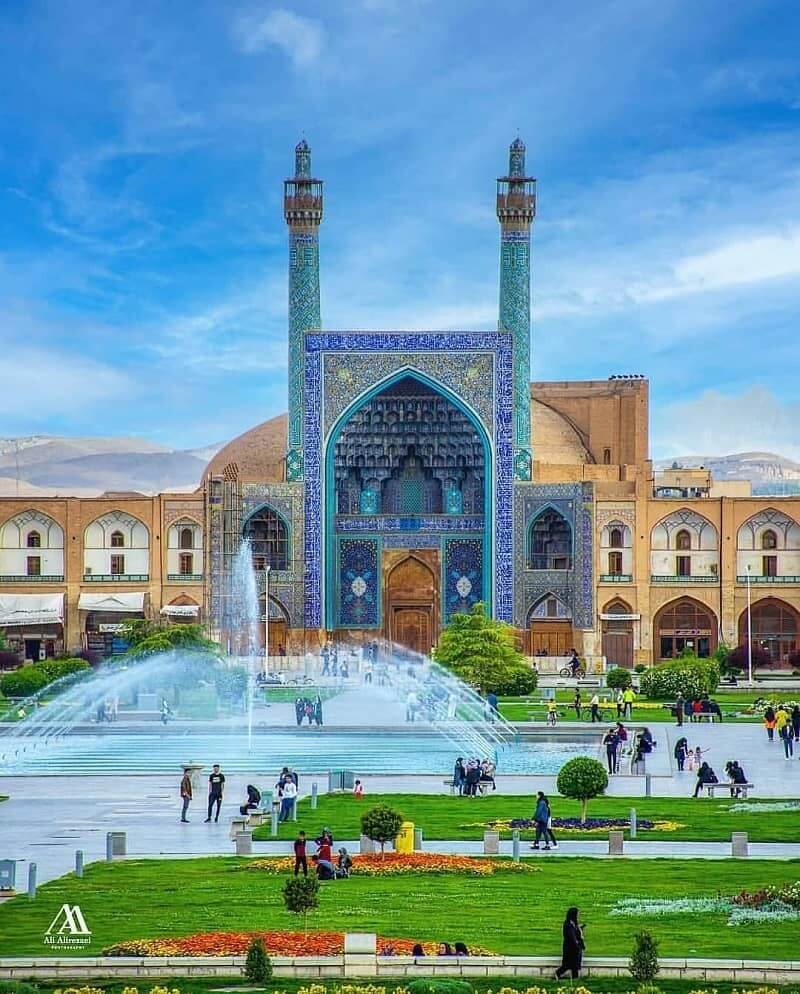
point(552, 713)
point(695, 757)
point(358, 789)
point(300, 854)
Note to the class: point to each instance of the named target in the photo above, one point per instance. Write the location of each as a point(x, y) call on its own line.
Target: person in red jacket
point(300, 854)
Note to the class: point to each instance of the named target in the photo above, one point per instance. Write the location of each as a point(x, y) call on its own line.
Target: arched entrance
point(278, 625)
point(550, 627)
point(410, 617)
point(684, 624)
point(775, 628)
point(618, 635)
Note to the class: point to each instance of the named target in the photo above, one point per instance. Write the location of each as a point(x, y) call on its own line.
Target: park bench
point(726, 785)
point(451, 784)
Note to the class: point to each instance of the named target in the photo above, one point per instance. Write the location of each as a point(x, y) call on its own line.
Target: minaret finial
point(302, 160)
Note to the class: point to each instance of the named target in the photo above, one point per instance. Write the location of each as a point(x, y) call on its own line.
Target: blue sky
point(142, 247)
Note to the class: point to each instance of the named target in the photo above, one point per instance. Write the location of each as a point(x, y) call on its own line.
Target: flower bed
point(395, 864)
point(770, 904)
point(278, 943)
point(576, 825)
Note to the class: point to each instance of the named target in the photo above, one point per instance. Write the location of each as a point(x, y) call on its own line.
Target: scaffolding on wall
point(224, 529)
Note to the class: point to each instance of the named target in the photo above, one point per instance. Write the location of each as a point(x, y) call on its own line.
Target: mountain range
point(52, 465)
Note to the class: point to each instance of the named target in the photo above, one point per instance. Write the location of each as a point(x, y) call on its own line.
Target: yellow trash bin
point(405, 838)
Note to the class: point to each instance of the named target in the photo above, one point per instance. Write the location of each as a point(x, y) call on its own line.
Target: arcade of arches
point(775, 628)
point(684, 624)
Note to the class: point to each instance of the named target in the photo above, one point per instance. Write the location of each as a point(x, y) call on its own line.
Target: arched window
point(769, 539)
point(117, 540)
point(35, 540)
point(775, 628)
point(269, 539)
point(615, 538)
point(550, 542)
point(683, 540)
point(186, 538)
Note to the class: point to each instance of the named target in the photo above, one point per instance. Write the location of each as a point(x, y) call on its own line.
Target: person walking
point(300, 859)
point(620, 704)
point(550, 837)
point(318, 711)
point(769, 723)
point(459, 776)
point(572, 946)
point(540, 818)
point(216, 788)
point(681, 751)
point(594, 705)
point(288, 799)
point(186, 793)
point(576, 703)
point(629, 697)
point(611, 742)
point(795, 719)
point(679, 706)
point(785, 732)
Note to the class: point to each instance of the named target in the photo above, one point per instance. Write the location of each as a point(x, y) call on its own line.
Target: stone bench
point(727, 785)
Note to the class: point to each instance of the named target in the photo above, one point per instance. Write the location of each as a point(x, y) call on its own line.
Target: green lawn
point(445, 817)
point(288, 695)
point(506, 913)
point(732, 702)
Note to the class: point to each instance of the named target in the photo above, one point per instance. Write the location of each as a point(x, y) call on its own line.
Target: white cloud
point(301, 38)
point(715, 423)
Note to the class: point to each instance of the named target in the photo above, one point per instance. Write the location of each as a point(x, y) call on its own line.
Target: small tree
point(483, 652)
point(301, 895)
point(643, 963)
point(381, 824)
point(258, 965)
point(582, 779)
point(618, 678)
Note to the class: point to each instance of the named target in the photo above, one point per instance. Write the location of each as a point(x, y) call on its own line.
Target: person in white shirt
point(288, 800)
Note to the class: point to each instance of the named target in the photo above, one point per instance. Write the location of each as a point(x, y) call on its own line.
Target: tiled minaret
point(516, 209)
point(302, 208)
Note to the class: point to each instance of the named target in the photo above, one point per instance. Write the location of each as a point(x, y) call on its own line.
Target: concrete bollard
point(491, 843)
point(294, 809)
point(633, 823)
point(366, 845)
point(739, 845)
point(616, 842)
point(116, 845)
point(314, 798)
point(238, 825)
point(648, 787)
point(78, 862)
point(244, 843)
point(31, 880)
point(273, 820)
point(515, 845)
point(417, 840)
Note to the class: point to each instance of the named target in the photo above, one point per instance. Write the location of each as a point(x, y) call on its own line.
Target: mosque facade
point(415, 474)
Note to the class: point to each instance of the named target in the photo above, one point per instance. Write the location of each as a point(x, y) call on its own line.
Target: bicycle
point(568, 673)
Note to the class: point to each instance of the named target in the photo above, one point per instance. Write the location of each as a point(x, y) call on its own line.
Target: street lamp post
point(749, 633)
point(266, 620)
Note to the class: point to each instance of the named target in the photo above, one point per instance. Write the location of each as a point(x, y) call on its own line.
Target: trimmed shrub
point(643, 963)
point(618, 678)
point(23, 682)
point(689, 676)
point(301, 895)
point(381, 824)
point(54, 669)
point(581, 779)
point(439, 987)
point(520, 681)
point(258, 965)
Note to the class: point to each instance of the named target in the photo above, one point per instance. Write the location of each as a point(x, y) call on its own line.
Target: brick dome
point(257, 456)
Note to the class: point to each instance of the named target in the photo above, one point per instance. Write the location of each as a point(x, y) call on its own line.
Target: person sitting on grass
point(344, 864)
point(704, 775)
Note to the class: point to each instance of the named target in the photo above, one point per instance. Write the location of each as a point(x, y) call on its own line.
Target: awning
point(31, 609)
point(181, 610)
point(620, 617)
point(112, 601)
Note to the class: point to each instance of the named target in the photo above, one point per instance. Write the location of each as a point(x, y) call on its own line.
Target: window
point(683, 540)
point(769, 540)
point(550, 542)
point(34, 566)
point(118, 565)
point(683, 565)
point(35, 540)
point(186, 564)
point(186, 538)
point(117, 540)
point(269, 539)
point(607, 457)
point(769, 565)
point(615, 538)
point(615, 563)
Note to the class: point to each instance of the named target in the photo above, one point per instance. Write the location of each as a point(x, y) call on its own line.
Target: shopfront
point(107, 615)
point(33, 625)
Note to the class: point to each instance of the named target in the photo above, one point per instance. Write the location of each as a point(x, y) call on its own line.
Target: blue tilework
point(359, 583)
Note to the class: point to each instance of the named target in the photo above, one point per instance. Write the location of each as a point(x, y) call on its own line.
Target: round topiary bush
point(519, 681)
point(581, 779)
point(618, 678)
point(691, 677)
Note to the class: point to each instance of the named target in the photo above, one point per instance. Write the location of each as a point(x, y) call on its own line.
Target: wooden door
point(618, 648)
point(411, 627)
point(551, 638)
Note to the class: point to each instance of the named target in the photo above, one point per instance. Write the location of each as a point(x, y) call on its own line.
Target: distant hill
point(48, 465)
point(768, 472)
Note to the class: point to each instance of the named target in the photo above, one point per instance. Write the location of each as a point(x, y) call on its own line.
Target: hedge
point(691, 677)
point(30, 679)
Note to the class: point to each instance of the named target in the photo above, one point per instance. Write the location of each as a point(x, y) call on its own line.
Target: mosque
point(415, 474)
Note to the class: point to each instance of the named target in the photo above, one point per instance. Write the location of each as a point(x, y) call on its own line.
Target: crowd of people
point(305, 707)
point(690, 708)
point(473, 776)
point(786, 723)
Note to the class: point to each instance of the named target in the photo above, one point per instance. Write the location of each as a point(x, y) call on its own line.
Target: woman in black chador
point(573, 946)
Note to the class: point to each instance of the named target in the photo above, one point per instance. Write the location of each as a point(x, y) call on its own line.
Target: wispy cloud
point(300, 38)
